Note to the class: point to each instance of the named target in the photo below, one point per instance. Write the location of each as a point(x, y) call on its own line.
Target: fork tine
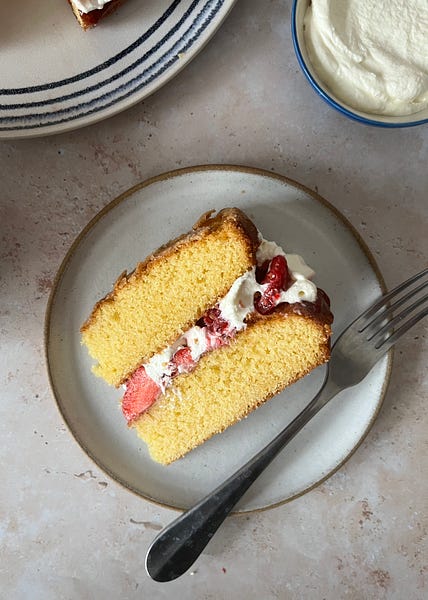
point(393, 307)
point(387, 297)
point(397, 319)
point(385, 345)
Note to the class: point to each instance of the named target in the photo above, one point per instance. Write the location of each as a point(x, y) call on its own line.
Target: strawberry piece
point(275, 279)
point(141, 392)
point(218, 330)
point(214, 323)
point(266, 302)
point(277, 274)
point(183, 360)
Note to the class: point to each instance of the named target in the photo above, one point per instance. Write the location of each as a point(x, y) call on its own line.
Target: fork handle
point(177, 547)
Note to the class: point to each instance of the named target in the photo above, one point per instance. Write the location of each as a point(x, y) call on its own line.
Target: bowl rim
point(327, 98)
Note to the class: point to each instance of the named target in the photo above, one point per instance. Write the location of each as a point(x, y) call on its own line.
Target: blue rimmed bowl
point(297, 17)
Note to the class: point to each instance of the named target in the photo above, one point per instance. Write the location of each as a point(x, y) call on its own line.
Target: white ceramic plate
point(55, 77)
point(130, 228)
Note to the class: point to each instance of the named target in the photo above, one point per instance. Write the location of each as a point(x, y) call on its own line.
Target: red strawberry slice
point(277, 274)
point(214, 322)
point(265, 303)
point(183, 360)
point(276, 279)
point(141, 393)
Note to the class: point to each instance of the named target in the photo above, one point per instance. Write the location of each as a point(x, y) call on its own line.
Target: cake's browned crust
point(88, 20)
point(318, 311)
point(205, 225)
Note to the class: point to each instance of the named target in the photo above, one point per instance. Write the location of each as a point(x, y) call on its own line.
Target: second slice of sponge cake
point(273, 352)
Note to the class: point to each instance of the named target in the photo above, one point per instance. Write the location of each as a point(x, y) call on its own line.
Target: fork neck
point(326, 393)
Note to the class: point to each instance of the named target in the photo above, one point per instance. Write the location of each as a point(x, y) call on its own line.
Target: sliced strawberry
point(215, 324)
point(277, 274)
point(183, 360)
point(275, 279)
point(141, 393)
point(266, 302)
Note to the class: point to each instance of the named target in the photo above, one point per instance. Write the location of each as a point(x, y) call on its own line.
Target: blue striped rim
point(101, 67)
point(171, 56)
point(101, 84)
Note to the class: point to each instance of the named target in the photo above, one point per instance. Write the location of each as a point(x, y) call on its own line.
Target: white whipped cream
point(235, 307)
point(296, 265)
point(86, 6)
point(159, 367)
point(197, 342)
point(372, 54)
point(239, 301)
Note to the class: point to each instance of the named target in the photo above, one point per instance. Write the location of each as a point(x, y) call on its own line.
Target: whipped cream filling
point(239, 301)
point(235, 308)
point(86, 6)
point(372, 54)
point(160, 368)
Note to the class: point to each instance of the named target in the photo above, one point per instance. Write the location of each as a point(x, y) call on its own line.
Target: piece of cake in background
point(205, 330)
point(90, 12)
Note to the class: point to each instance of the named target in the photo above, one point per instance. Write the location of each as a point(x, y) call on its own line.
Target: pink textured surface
point(69, 532)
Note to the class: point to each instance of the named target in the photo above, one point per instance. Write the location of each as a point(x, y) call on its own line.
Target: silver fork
point(354, 354)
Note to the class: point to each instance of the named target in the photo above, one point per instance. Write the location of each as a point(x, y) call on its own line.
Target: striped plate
point(54, 77)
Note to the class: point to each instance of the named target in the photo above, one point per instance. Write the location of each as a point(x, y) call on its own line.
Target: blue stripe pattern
point(199, 13)
point(108, 63)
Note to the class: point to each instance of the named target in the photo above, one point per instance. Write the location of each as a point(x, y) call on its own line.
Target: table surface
point(66, 529)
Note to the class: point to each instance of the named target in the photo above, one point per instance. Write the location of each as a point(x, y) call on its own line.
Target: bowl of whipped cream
point(366, 58)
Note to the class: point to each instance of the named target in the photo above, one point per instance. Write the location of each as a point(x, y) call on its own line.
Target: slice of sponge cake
point(167, 293)
point(205, 330)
